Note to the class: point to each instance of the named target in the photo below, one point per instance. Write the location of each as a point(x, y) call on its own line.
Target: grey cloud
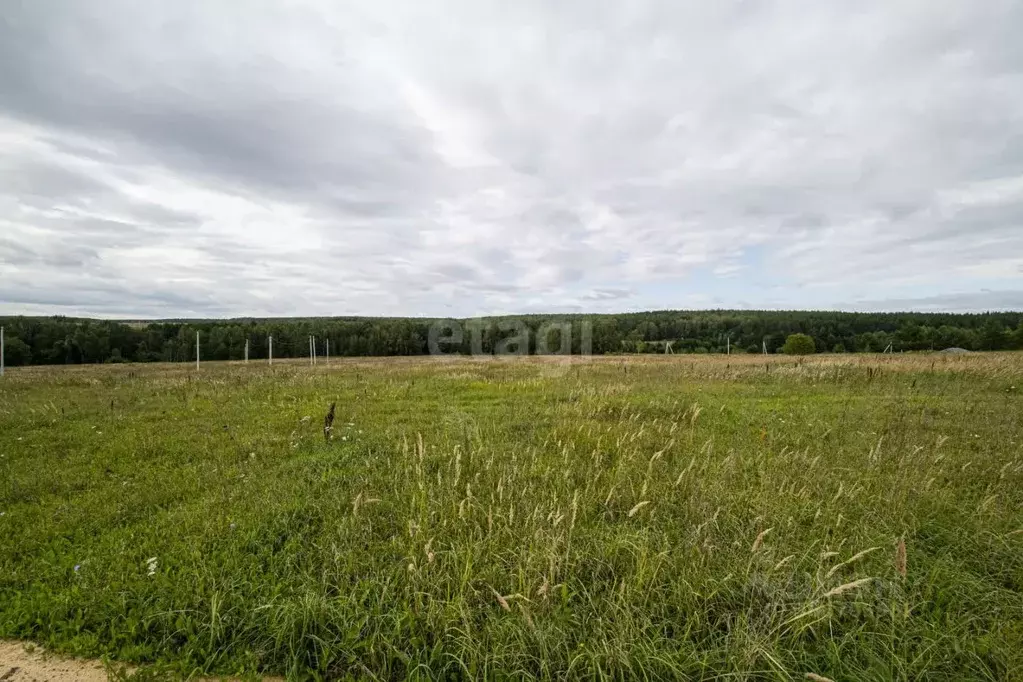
point(605, 294)
point(959, 302)
point(382, 159)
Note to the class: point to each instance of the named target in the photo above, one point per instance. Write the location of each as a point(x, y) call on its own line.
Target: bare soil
point(23, 662)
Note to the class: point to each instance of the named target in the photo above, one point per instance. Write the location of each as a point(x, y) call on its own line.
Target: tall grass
point(755, 518)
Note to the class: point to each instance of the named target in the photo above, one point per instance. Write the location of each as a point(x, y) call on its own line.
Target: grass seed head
point(758, 543)
point(501, 600)
point(635, 510)
point(848, 587)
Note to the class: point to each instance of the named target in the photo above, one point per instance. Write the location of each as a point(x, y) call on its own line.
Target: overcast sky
point(466, 157)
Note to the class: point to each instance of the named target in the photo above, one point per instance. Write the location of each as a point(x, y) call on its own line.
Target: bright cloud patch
point(389, 158)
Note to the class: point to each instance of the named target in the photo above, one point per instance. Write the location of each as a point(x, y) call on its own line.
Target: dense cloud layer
point(472, 157)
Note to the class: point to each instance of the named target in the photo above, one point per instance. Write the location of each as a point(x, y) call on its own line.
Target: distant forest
point(61, 340)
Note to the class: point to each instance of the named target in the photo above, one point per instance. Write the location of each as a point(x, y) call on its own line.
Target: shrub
point(799, 344)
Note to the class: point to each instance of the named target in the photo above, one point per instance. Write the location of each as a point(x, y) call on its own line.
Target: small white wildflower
point(151, 566)
point(20, 438)
point(344, 437)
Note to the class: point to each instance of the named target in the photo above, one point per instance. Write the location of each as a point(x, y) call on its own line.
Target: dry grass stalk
point(635, 510)
point(328, 422)
point(851, 560)
point(818, 678)
point(758, 543)
point(784, 561)
point(848, 587)
point(900, 557)
point(501, 600)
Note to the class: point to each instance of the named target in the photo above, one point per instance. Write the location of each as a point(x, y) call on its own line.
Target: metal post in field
point(328, 350)
point(197, 350)
point(1, 351)
point(728, 345)
point(314, 350)
point(246, 351)
point(271, 356)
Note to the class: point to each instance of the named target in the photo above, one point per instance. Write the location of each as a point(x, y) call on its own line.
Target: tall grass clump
point(848, 517)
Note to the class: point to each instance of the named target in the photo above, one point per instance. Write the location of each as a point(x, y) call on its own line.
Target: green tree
point(992, 335)
point(839, 348)
point(16, 352)
point(799, 344)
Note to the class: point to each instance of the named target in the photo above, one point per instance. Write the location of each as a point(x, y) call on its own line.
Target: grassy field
point(852, 517)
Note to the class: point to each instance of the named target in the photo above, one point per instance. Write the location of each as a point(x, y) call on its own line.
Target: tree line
point(63, 340)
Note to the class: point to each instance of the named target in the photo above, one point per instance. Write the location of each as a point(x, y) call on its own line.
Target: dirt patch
point(19, 664)
point(22, 662)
